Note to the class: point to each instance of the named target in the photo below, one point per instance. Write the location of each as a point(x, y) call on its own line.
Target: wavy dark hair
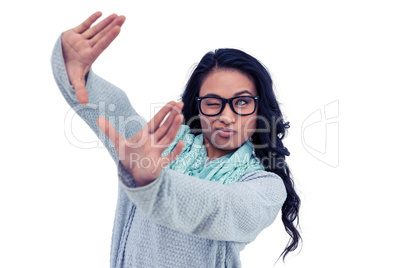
point(268, 145)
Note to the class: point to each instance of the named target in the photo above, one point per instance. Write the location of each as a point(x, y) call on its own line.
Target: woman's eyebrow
point(242, 92)
point(212, 95)
point(236, 94)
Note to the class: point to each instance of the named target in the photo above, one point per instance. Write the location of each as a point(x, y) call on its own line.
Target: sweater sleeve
point(233, 212)
point(104, 99)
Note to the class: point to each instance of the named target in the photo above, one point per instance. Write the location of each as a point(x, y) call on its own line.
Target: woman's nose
point(227, 116)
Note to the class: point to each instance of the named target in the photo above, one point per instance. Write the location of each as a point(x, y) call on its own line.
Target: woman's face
point(227, 131)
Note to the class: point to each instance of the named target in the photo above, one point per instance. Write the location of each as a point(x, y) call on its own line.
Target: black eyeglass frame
point(224, 101)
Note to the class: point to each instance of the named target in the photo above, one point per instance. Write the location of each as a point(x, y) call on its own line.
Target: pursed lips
point(225, 132)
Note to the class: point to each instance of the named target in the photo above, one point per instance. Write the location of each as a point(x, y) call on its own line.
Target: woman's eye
point(213, 103)
point(241, 102)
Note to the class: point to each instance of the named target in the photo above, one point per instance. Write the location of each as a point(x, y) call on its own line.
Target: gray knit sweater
point(177, 220)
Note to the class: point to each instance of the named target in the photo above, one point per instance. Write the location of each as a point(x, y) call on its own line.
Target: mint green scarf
point(226, 169)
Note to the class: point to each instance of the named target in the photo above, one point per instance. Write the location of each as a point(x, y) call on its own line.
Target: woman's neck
point(214, 152)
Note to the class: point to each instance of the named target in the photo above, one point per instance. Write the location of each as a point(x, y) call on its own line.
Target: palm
point(79, 50)
point(141, 155)
point(83, 44)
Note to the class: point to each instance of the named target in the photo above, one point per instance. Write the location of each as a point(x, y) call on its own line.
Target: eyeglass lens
point(241, 105)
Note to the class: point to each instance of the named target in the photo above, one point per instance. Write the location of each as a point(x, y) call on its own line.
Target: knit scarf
point(193, 160)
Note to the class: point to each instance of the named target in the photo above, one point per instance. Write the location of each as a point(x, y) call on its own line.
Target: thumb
point(107, 128)
point(81, 92)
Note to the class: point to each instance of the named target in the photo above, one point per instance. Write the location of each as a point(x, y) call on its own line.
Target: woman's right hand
point(83, 44)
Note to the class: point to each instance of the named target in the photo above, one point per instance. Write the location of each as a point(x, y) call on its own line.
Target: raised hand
point(141, 154)
point(83, 44)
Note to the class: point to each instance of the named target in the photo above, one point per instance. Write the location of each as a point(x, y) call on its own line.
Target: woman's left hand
point(141, 155)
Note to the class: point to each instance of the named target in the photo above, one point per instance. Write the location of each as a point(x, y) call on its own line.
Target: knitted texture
point(177, 220)
point(226, 169)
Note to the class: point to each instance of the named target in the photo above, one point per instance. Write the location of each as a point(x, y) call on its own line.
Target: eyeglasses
point(242, 105)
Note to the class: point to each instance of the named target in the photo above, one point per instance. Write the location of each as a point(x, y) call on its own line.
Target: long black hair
point(268, 146)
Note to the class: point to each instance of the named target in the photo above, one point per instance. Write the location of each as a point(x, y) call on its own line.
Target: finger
point(81, 92)
point(105, 31)
point(175, 153)
point(167, 125)
point(155, 122)
point(91, 32)
point(88, 22)
point(78, 82)
point(107, 128)
point(106, 40)
point(171, 132)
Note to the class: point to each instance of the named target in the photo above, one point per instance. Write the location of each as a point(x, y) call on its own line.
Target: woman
point(186, 200)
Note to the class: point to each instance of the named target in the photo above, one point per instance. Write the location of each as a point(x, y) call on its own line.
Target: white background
point(57, 201)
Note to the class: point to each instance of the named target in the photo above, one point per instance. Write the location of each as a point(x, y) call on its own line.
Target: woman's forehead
point(227, 83)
